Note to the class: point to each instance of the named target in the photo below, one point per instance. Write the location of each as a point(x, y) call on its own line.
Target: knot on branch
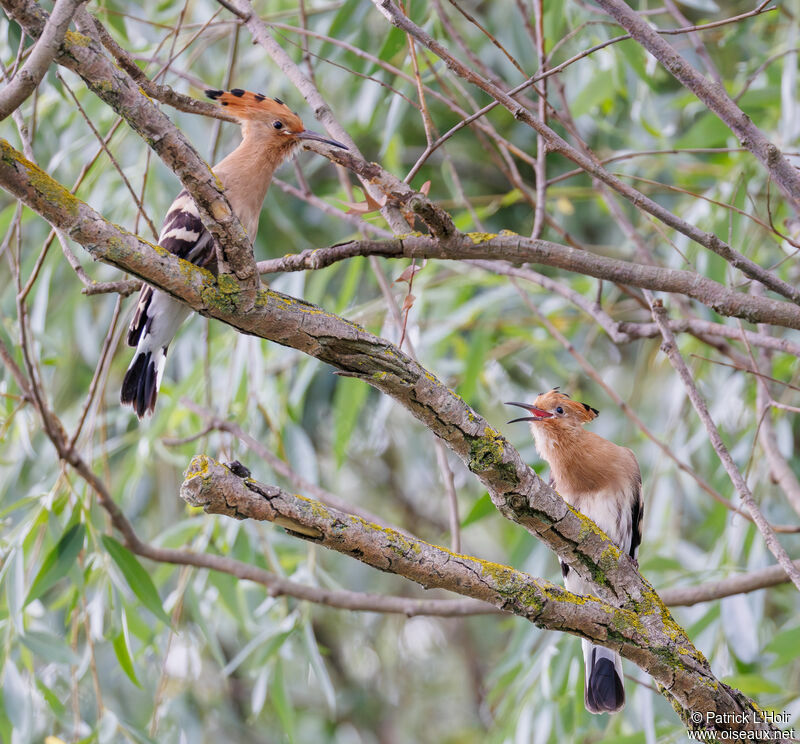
point(200, 486)
point(437, 220)
point(517, 502)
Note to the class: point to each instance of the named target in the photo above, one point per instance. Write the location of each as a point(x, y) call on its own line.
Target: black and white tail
point(154, 325)
point(603, 690)
point(158, 316)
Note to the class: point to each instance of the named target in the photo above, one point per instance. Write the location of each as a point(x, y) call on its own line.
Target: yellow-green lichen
point(480, 237)
point(45, 187)
point(487, 452)
point(221, 293)
point(73, 38)
point(198, 467)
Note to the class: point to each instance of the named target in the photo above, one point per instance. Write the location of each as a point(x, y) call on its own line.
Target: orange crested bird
point(271, 133)
point(602, 481)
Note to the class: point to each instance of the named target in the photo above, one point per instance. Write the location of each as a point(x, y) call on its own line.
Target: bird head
point(556, 411)
point(267, 118)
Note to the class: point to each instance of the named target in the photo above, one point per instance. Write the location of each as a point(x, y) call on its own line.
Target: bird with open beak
point(602, 481)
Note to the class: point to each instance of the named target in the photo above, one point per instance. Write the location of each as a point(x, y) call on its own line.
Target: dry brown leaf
point(408, 302)
point(409, 272)
point(365, 207)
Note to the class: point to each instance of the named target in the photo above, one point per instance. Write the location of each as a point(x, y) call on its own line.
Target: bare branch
point(713, 95)
point(556, 143)
point(518, 249)
point(741, 584)
point(670, 347)
point(31, 73)
point(657, 649)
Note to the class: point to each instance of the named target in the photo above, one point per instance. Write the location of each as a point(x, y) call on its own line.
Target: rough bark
point(652, 641)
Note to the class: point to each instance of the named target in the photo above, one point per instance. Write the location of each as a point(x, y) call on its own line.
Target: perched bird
point(271, 132)
point(603, 482)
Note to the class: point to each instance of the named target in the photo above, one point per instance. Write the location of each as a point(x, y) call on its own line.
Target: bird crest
point(248, 106)
point(555, 406)
point(550, 400)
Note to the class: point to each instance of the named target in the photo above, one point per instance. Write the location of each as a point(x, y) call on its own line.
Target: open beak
point(538, 413)
point(307, 134)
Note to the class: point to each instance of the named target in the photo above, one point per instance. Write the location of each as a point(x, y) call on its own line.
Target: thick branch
point(518, 249)
point(514, 488)
point(658, 649)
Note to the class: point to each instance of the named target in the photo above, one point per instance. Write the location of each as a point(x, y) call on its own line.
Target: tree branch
point(40, 58)
point(680, 669)
point(516, 491)
point(752, 581)
point(556, 143)
point(518, 249)
point(670, 348)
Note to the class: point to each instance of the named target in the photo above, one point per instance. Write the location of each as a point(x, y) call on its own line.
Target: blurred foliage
point(101, 647)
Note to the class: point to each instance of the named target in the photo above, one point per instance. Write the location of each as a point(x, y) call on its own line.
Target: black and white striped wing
point(184, 235)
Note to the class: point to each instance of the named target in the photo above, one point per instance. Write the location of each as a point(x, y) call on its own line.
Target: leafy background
point(97, 646)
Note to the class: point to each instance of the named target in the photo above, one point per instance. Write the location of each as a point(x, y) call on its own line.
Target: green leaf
point(707, 131)
point(280, 699)
point(635, 57)
point(50, 647)
point(138, 579)
point(5, 724)
point(395, 40)
point(17, 701)
point(597, 90)
point(52, 699)
point(343, 19)
point(117, 19)
point(137, 734)
point(752, 684)
point(475, 363)
point(58, 561)
point(347, 404)
point(352, 280)
point(122, 649)
point(483, 507)
point(785, 645)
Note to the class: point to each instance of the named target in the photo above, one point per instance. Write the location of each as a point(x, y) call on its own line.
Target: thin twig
point(670, 347)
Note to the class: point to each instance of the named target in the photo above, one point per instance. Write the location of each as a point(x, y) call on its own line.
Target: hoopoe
point(603, 482)
point(271, 133)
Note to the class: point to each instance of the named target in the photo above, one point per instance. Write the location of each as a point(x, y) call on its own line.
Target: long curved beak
point(307, 134)
point(538, 413)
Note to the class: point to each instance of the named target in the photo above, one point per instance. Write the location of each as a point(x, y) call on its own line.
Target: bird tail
point(142, 380)
point(604, 691)
point(155, 322)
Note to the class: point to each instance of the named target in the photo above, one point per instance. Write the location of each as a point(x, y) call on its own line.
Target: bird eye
point(559, 410)
point(278, 124)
